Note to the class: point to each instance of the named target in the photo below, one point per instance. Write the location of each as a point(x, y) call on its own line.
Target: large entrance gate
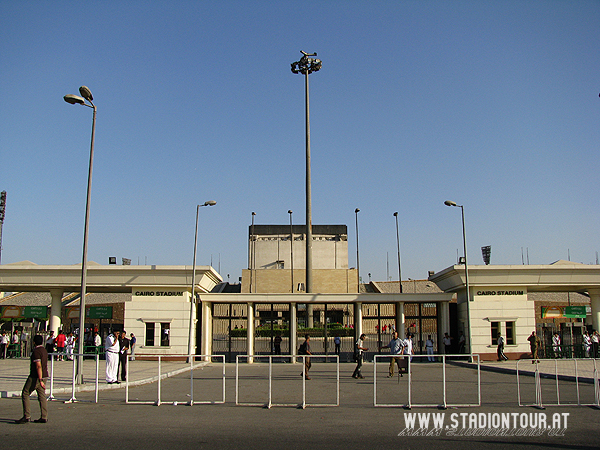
point(322, 322)
point(420, 319)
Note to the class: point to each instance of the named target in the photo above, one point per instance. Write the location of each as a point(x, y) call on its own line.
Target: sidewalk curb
point(102, 386)
point(527, 373)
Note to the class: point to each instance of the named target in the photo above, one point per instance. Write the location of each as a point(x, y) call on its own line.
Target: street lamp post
point(306, 66)
point(291, 250)
point(252, 260)
point(86, 94)
point(356, 211)
point(193, 293)
point(462, 210)
point(398, 245)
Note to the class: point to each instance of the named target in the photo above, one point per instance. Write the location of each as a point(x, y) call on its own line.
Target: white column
point(358, 319)
point(293, 330)
point(595, 303)
point(206, 329)
point(55, 312)
point(400, 319)
point(443, 324)
point(250, 331)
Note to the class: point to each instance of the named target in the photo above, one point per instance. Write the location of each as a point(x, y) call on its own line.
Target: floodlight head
point(450, 203)
point(86, 93)
point(356, 210)
point(210, 203)
point(290, 211)
point(396, 214)
point(253, 213)
point(74, 99)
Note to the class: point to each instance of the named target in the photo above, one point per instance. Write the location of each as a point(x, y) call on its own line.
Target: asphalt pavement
point(128, 417)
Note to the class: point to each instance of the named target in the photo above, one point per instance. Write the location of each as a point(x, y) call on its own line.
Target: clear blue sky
point(492, 104)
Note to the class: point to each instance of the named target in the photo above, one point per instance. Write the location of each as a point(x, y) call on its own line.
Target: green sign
point(575, 312)
point(100, 312)
point(35, 312)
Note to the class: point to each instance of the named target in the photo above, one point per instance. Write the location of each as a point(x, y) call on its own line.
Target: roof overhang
point(563, 277)
point(325, 298)
point(112, 278)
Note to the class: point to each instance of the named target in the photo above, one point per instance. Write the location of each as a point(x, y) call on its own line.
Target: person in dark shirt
point(36, 380)
point(124, 346)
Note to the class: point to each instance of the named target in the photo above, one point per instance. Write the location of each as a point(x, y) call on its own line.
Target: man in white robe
point(111, 348)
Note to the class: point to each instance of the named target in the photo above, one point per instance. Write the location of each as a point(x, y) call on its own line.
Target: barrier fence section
point(538, 382)
point(160, 376)
point(269, 403)
point(410, 404)
point(74, 360)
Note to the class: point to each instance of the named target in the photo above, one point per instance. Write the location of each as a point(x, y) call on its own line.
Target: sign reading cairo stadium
point(500, 292)
point(158, 293)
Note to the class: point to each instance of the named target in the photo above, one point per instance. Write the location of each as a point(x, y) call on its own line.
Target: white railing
point(160, 376)
point(74, 386)
point(410, 403)
point(539, 403)
point(269, 403)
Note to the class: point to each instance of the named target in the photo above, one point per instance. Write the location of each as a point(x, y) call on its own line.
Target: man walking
point(500, 350)
point(305, 350)
point(396, 347)
point(36, 380)
point(358, 353)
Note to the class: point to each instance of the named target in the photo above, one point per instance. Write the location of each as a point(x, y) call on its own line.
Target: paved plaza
point(355, 423)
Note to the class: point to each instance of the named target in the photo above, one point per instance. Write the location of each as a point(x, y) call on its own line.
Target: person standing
point(23, 343)
point(447, 340)
point(60, 345)
point(97, 342)
point(38, 372)
point(111, 348)
point(359, 348)
point(124, 347)
point(305, 350)
point(408, 345)
point(587, 344)
point(70, 345)
point(50, 342)
point(277, 344)
point(461, 342)
point(338, 342)
point(429, 347)
point(534, 346)
point(595, 338)
point(500, 351)
point(396, 347)
point(3, 344)
point(132, 342)
point(556, 344)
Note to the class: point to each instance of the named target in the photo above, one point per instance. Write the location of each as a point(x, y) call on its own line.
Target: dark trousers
point(501, 355)
point(122, 366)
point(359, 362)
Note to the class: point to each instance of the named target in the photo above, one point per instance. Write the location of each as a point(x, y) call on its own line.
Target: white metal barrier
point(73, 377)
point(160, 376)
point(554, 362)
point(410, 404)
point(269, 403)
